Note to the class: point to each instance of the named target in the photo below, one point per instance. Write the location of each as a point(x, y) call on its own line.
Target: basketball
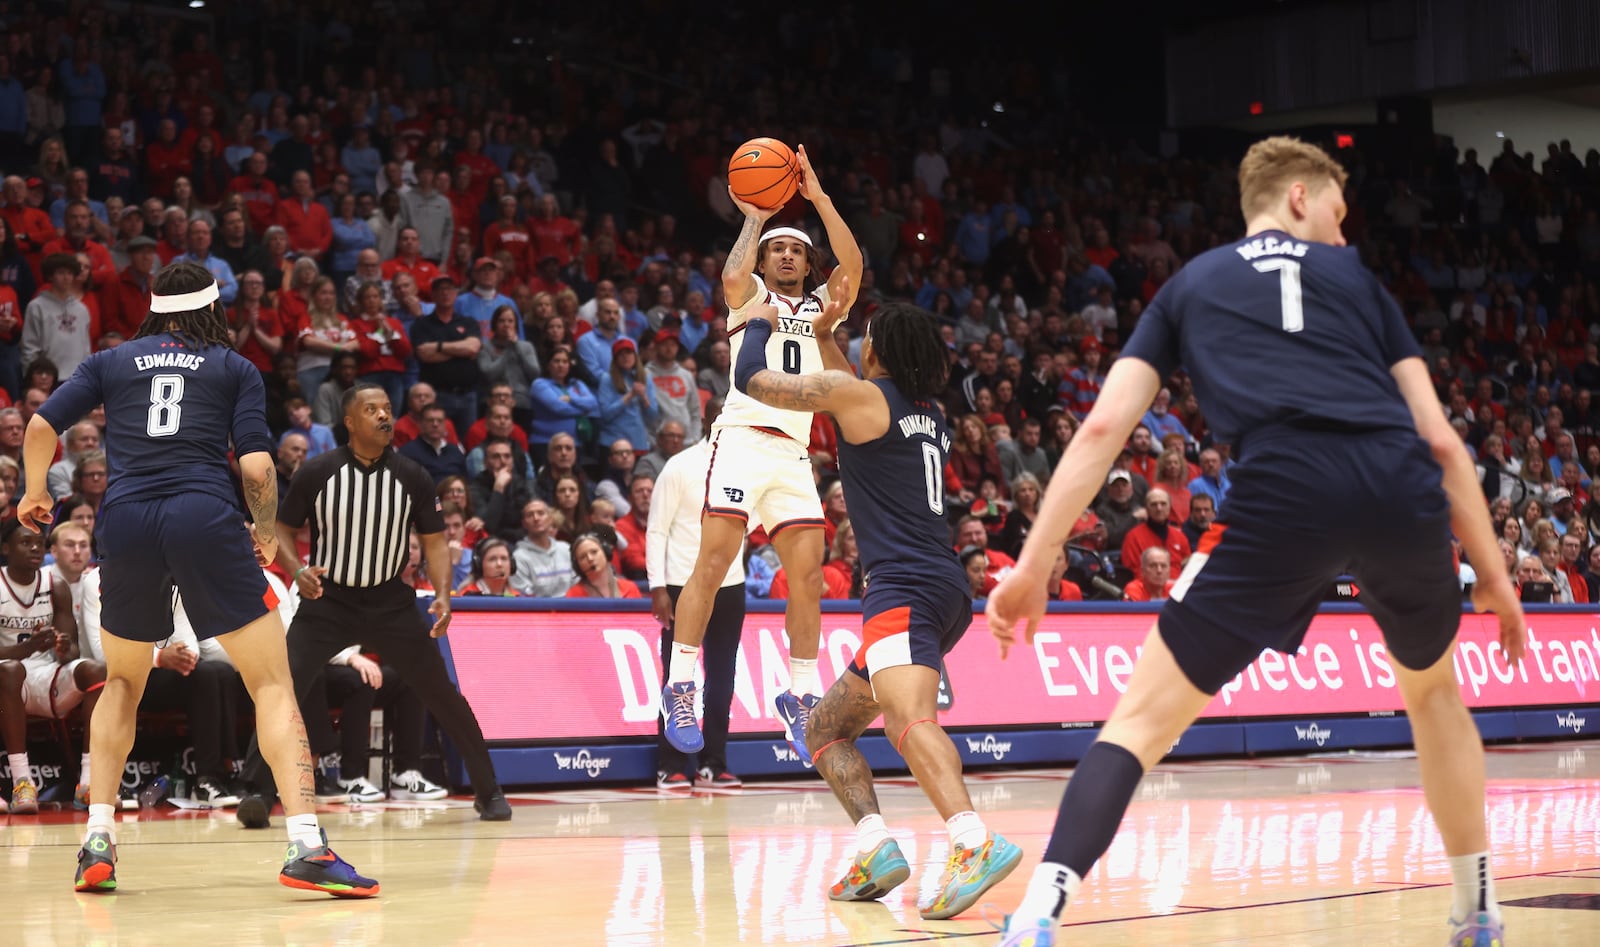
point(763, 172)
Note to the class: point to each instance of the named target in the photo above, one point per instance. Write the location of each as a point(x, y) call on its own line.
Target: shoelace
point(683, 709)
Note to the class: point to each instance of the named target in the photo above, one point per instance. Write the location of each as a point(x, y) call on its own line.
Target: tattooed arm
point(858, 406)
point(260, 478)
point(737, 287)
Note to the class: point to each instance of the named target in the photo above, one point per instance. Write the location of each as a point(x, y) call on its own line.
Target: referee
point(363, 500)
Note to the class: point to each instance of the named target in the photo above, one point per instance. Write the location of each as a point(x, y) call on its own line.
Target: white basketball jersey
point(791, 348)
point(25, 610)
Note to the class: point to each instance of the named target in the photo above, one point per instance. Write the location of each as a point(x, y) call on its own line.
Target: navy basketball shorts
point(196, 542)
point(1304, 508)
point(903, 622)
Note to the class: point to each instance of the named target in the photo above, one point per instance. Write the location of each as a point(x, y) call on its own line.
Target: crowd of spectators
point(523, 245)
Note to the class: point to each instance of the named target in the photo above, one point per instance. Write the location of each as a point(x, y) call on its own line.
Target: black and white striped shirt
point(360, 515)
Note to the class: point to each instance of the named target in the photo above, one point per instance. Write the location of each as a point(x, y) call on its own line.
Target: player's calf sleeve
point(1092, 807)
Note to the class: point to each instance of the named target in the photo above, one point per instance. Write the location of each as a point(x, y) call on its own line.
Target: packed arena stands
point(559, 181)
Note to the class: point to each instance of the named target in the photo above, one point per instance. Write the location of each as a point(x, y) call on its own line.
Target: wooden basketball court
point(1332, 849)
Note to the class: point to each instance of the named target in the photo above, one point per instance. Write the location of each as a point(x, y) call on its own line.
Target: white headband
point(186, 302)
point(799, 235)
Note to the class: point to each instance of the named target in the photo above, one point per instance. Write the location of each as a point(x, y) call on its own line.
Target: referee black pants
point(720, 651)
point(385, 619)
point(343, 687)
point(209, 698)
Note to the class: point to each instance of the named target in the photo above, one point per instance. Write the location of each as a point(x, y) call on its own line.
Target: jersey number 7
point(1294, 316)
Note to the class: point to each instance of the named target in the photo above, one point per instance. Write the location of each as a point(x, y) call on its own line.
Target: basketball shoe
point(413, 785)
point(795, 712)
point(718, 778)
point(679, 725)
point(1041, 934)
point(97, 864)
point(1480, 930)
point(361, 789)
point(872, 875)
point(492, 807)
point(969, 873)
point(80, 797)
point(24, 797)
point(319, 869)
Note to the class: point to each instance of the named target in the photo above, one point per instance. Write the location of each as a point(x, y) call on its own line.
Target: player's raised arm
point(1469, 515)
point(846, 277)
point(737, 283)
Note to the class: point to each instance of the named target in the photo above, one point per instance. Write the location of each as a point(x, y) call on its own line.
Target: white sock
point(83, 770)
point(19, 766)
point(803, 677)
point(102, 818)
point(304, 831)
point(1049, 890)
point(870, 833)
point(681, 668)
point(966, 830)
point(1474, 887)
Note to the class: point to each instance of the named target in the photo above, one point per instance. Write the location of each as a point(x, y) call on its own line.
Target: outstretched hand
point(1501, 598)
point(1018, 599)
point(834, 312)
point(808, 186)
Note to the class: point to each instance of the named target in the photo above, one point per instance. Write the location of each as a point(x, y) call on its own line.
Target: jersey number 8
point(166, 405)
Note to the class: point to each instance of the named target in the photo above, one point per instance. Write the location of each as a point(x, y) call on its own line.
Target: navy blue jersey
point(173, 412)
point(1277, 331)
point(894, 486)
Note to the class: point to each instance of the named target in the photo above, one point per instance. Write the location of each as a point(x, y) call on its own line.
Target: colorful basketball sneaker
point(24, 797)
point(80, 797)
point(1041, 934)
point(97, 864)
point(795, 712)
point(1481, 930)
point(872, 875)
point(969, 873)
point(679, 725)
point(319, 869)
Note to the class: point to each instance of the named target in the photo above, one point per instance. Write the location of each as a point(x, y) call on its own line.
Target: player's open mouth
point(386, 427)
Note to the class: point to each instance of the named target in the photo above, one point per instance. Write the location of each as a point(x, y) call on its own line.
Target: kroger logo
point(989, 746)
point(1312, 734)
point(783, 754)
point(1570, 721)
point(583, 762)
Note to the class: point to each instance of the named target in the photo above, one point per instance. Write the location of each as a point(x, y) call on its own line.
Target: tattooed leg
point(845, 711)
point(259, 652)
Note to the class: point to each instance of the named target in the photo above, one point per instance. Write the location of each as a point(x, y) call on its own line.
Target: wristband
point(297, 573)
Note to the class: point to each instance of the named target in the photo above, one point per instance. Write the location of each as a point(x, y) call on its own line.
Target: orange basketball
point(763, 172)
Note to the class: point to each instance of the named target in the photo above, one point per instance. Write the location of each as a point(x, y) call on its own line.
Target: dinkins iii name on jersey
point(187, 360)
point(913, 424)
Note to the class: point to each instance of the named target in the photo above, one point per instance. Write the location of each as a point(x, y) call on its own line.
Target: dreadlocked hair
point(198, 327)
point(906, 341)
